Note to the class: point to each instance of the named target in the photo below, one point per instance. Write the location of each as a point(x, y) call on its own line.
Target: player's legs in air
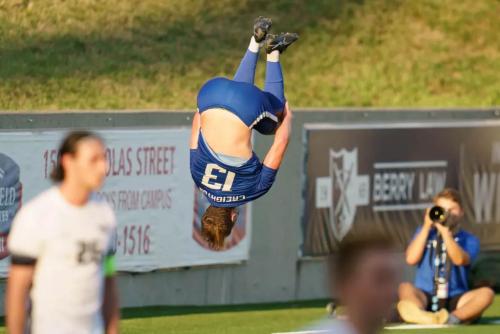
point(246, 70)
point(274, 89)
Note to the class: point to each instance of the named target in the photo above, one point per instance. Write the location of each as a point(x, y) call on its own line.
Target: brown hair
point(216, 225)
point(451, 194)
point(343, 263)
point(69, 146)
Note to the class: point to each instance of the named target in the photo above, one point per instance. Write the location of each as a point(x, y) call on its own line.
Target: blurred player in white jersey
point(61, 244)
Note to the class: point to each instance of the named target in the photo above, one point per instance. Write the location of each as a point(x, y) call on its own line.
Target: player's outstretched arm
point(195, 131)
point(277, 151)
point(18, 286)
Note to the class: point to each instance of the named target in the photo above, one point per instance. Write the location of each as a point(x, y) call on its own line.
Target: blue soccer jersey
point(459, 275)
point(225, 185)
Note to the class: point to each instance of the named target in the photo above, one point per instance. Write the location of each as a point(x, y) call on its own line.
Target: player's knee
point(216, 225)
point(404, 289)
point(487, 294)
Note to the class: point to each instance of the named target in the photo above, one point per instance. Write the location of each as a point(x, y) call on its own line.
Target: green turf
point(88, 54)
point(253, 319)
point(247, 319)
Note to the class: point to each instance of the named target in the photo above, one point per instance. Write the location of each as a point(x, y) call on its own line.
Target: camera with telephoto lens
point(438, 215)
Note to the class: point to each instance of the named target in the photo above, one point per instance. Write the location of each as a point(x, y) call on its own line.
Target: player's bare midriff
point(226, 134)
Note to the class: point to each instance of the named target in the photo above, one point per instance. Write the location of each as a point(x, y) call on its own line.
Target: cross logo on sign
point(343, 191)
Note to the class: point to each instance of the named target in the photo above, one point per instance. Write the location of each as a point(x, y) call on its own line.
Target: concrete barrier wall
point(274, 272)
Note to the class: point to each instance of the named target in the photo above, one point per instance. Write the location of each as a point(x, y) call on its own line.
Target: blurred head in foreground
point(81, 161)
point(364, 275)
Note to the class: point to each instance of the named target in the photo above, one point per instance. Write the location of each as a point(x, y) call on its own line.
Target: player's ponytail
point(216, 225)
point(69, 146)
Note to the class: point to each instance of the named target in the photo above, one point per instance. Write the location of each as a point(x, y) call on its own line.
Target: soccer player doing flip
point(223, 164)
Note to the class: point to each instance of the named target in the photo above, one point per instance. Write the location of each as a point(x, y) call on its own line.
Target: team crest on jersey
point(10, 197)
point(348, 190)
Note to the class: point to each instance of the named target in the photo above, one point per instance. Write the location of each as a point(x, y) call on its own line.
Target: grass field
point(57, 54)
point(246, 319)
point(256, 319)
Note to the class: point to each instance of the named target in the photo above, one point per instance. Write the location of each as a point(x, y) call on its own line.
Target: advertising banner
point(384, 176)
point(148, 185)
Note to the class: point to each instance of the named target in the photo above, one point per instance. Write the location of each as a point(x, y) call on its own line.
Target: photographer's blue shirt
point(225, 185)
point(424, 279)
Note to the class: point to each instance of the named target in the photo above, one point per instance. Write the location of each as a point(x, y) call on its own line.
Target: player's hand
point(285, 127)
point(428, 223)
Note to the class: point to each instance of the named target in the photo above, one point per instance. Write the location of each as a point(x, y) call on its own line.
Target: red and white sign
point(150, 188)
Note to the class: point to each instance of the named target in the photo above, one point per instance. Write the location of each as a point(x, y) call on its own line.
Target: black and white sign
point(384, 176)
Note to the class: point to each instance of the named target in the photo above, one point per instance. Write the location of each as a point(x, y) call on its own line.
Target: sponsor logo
point(10, 198)
point(389, 186)
point(486, 189)
point(348, 190)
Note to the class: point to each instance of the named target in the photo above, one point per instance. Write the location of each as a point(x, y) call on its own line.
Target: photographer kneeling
point(442, 252)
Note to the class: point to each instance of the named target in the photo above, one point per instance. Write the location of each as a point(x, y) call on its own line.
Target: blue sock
point(246, 70)
point(274, 85)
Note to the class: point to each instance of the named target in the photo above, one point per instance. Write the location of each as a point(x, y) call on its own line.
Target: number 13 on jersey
point(209, 177)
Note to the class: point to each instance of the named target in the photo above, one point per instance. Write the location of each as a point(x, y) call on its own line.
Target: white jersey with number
point(69, 243)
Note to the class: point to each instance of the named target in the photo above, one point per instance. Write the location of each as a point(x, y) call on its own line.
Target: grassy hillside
point(86, 54)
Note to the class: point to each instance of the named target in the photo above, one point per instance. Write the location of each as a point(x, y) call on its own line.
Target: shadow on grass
point(489, 320)
point(206, 40)
point(161, 311)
